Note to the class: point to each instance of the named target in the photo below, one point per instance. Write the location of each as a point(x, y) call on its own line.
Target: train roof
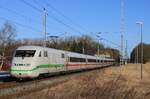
point(73, 54)
point(30, 47)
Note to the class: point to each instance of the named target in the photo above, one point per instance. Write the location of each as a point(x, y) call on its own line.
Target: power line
point(22, 25)
point(101, 38)
point(61, 22)
point(12, 11)
point(60, 13)
point(23, 16)
point(58, 20)
point(37, 3)
point(37, 9)
point(16, 13)
point(111, 42)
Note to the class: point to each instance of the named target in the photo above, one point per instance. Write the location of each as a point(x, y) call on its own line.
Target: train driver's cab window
point(25, 53)
point(62, 55)
point(45, 54)
point(40, 54)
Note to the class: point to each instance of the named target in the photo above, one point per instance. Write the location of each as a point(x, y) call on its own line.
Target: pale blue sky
point(92, 16)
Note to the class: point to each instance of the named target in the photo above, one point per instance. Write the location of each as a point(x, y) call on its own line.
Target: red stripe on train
point(80, 64)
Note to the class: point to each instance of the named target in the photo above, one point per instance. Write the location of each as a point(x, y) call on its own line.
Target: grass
point(109, 83)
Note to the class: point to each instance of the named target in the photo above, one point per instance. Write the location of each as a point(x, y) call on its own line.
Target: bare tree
point(7, 35)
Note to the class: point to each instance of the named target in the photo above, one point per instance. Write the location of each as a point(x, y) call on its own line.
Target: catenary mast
point(122, 31)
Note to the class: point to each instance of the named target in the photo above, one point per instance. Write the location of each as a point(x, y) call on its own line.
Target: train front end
point(22, 63)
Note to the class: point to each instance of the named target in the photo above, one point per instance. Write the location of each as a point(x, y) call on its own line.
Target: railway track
point(4, 74)
point(14, 87)
point(8, 81)
point(23, 88)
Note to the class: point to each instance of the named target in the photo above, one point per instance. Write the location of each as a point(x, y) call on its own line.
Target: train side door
point(54, 62)
point(66, 61)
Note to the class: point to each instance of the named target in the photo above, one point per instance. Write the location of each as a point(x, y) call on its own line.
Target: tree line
point(136, 53)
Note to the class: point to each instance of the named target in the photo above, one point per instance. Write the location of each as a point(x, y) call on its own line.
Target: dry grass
point(111, 83)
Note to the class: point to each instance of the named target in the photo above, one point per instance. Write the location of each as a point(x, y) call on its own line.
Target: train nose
point(20, 75)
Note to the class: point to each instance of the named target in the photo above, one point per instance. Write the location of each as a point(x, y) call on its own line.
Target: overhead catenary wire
point(19, 24)
point(64, 16)
point(66, 25)
point(111, 42)
point(118, 46)
point(16, 13)
point(53, 17)
point(32, 6)
point(22, 25)
point(59, 21)
point(101, 38)
point(26, 18)
point(38, 4)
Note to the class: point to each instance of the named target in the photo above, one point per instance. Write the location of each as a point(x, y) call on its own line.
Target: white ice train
point(32, 61)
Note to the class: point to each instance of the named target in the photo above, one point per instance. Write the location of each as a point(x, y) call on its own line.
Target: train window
point(91, 60)
point(40, 54)
point(82, 59)
point(45, 54)
point(75, 59)
point(25, 53)
point(62, 55)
